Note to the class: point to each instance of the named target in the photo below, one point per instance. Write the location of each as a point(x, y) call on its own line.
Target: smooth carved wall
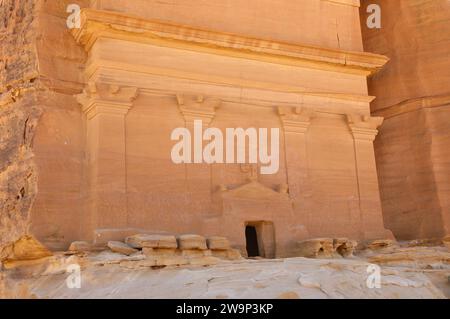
point(59, 144)
point(163, 196)
point(141, 79)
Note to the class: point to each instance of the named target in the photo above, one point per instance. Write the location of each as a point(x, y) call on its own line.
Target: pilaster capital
point(100, 97)
point(295, 119)
point(197, 107)
point(364, 127)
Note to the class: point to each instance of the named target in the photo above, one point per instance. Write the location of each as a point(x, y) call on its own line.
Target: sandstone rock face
point(287, 278)
point(152, 241)
point(414, 98)
point(344, 246)
point(380, 244)
point(447, 242)
point(23, 250)
point(326, 248)
point(192, 242)
point(19, 113)
point(122, 248)
point(164, 251)
point(218, 243)
point(85, 194)
point(231, 254)
point(80, 246)
point(316, 248)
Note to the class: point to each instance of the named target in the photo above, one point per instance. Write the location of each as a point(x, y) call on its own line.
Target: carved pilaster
point(364, 130)
point(295, 119)
point(106, 99)
point(364, 127)
point(197, 108)
point(198, 176)
point(296, 122)
point(105, 107)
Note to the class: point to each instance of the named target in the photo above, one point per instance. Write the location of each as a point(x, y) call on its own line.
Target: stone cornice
point(96, 24)
point(353, 3)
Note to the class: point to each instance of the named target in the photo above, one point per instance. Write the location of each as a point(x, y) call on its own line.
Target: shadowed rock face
point(19, 113)
point(414, 98)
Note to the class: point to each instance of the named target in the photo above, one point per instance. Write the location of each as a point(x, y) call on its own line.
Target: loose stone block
point(121, 248)
point(218, 243)
point(152, 241)
point(80, 246)
point(192, 242)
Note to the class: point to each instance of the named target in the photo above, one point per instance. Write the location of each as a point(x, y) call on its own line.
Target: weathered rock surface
point(326, 248)
point(446, 242)
point(111, 258)
point(151, 252)
point(316, 248)
point(196, 253)
point(288, 278)
point(23, 250)
point(19, 113)
point(344, 246)
point(152, 241)
point(218, 243)
point(414, 257)
point(80, 246)
point(381, 244)
point(192, 242)
point(121, 248)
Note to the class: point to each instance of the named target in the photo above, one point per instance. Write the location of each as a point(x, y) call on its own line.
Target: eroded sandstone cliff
point(413, 96)
point(19, 113)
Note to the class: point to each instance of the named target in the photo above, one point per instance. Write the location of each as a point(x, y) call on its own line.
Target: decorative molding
point(364, 127)
point(414, 105)
point(353, 3)
point(295, 119)
point(196, 107)
point(106, 98)
point(96, 24)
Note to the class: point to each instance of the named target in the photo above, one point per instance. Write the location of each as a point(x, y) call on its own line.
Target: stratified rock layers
point(413, 147)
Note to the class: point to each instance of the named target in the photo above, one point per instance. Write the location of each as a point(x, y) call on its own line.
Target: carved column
point(364, 130)
point(296, 121)
point(198, 174)
point(105, 107)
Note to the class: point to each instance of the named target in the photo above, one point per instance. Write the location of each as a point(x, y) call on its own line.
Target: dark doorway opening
point(252, 241)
